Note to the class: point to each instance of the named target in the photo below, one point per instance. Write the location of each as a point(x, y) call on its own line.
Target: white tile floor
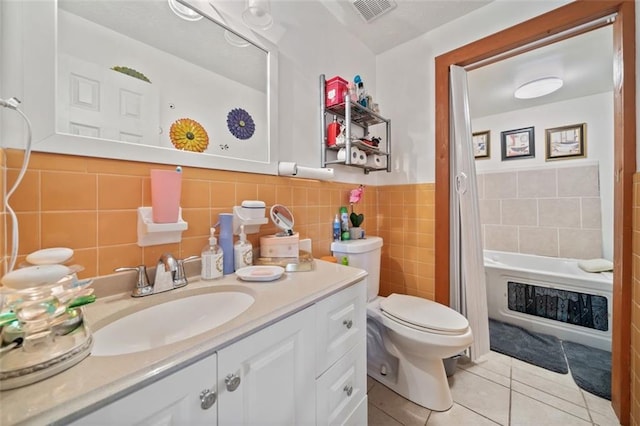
point(500, 390)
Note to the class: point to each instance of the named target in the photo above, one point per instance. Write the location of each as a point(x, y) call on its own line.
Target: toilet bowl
point(407, 336)
point(419, 344)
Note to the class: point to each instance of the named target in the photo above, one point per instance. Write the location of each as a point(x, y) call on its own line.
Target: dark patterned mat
point(590, 367)
point(535, 348)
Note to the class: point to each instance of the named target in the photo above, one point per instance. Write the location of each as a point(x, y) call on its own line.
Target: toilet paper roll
point(362, 158)
point(287, 168)
point(292, 169)
point(342, 154)
point(376, 161)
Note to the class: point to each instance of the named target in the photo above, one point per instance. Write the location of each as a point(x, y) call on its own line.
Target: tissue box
point(276, 246)
point(336, 90)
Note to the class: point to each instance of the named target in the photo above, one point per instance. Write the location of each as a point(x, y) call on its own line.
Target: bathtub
point(550, 295)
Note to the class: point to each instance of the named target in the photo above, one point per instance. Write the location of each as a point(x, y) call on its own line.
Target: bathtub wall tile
point(591, 213)
point(524, 211)
point(580, 243)
point(520, 212)
point(560, 212)
point(578, 181)
point(502, 238)
point(500, 185)
point(538, 241)
point(490, 212)
point(537, 184)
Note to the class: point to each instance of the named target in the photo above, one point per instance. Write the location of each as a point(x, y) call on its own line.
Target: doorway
point(551, 23)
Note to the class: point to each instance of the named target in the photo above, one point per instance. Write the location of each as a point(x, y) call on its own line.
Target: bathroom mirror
point(132, 80)
point(282, 218)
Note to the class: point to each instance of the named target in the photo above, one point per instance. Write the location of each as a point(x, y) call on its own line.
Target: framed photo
point(518, 143)
point(481, 144)
point(566, 142)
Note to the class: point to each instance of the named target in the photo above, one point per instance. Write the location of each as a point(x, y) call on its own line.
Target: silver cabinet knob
point(348, 389)
point(232, 381)
point(348, 323)
point(207, 399)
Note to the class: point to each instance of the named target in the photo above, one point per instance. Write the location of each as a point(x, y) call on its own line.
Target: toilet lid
point(424, 313)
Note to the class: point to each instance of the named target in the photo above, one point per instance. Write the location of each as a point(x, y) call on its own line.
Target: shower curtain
point(468, 286)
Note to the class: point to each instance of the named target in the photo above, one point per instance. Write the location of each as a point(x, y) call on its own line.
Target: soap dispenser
point(242, 251)
point(212, 259)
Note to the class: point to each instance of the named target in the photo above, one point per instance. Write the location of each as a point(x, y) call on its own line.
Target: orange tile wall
point(90, 205)
point(635, 307)
point(406, 225)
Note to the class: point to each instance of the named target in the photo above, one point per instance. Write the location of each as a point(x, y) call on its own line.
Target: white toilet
point(407, 336)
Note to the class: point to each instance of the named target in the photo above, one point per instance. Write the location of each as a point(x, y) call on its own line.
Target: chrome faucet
point(170, 274)
point(165, 272)
point(143, 287)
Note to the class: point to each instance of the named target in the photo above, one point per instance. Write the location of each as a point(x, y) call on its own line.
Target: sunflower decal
point(188, 135)
point(240, 123)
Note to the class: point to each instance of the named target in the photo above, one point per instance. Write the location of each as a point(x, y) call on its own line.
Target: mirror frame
point(33, 75)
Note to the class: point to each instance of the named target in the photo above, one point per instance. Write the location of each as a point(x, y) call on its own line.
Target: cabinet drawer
point(359, 416)
point(341, 389)
point(340, 324)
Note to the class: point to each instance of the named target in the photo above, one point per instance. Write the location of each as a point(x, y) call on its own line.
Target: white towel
point(596, 265)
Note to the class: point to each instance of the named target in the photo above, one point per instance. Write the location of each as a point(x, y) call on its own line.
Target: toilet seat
point(423, 315)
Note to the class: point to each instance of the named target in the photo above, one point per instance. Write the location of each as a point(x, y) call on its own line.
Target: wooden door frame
point(554, 22)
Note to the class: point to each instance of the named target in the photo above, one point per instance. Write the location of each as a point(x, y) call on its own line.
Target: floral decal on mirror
point(240, 123)
point(189, 135)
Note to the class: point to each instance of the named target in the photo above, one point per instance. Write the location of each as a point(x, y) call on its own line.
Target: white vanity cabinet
point(267, 377)
point(182, 398)
point(341, 358)
point(306, 369)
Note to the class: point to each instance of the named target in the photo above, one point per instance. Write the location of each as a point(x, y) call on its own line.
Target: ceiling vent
point(373, 9)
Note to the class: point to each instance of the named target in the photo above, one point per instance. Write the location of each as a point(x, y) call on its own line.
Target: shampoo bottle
point(336, 229)
point(242, 251)
point(212, 259)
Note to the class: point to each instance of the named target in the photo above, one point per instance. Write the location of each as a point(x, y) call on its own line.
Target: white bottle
point(212, 259)
point(242, 251)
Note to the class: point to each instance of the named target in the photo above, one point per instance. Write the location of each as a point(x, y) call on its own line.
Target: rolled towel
point(355, 155)
point(596, 265)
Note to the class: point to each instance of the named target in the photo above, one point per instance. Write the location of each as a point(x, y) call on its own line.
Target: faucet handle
point(180, 278)
point(143, 287)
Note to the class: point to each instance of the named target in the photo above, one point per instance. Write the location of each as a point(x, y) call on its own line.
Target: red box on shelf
point(335, 91)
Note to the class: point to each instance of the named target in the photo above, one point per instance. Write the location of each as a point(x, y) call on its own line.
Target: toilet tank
point(363, 254)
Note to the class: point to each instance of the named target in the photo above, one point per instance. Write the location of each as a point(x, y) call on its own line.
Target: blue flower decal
point(240, 123)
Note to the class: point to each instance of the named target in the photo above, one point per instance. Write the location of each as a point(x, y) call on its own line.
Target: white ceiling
point(408, 20)
point(584, 62)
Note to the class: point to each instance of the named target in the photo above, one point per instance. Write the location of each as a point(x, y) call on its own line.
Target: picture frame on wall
point(518, 143)
point(566, 142)
point(482, 144)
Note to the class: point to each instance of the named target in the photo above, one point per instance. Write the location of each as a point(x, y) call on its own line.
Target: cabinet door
point(173, 400)
point(267, 378)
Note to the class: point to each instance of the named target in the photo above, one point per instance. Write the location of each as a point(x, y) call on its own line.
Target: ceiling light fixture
point(539, 87)
point(257, 14)
point(183, 11)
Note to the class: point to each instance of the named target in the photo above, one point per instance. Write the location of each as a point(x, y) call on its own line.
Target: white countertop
point(96, 381)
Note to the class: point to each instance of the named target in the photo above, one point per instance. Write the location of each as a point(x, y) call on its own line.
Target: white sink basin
point(169, 322)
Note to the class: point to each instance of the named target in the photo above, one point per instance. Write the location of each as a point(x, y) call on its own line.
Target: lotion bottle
point(212, 259)
point(242, 251)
